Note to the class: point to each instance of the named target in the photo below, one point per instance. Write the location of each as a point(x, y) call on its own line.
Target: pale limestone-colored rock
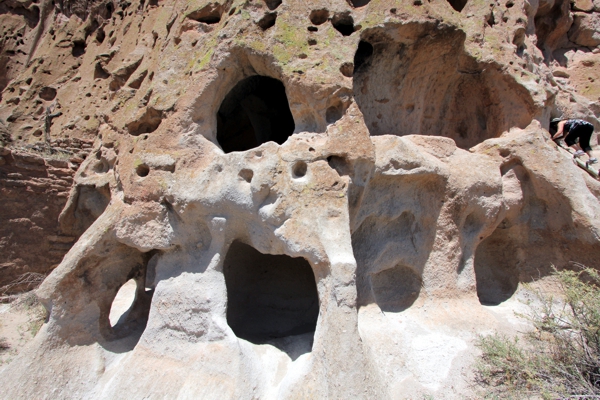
point(583, 5)
point(585, 30)
point(387, 228)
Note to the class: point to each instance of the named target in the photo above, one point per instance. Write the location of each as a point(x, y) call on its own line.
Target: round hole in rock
point(142, 170)
point(246, 174)
point(299, 169)
point(347, 69)
point(122, 303)
point(396, 289)
point(271, 299)
point(47, 93)
point(254, 112)
point(343, 23)
point(318, 17)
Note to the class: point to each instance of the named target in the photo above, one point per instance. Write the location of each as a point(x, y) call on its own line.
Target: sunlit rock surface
point(321, 199)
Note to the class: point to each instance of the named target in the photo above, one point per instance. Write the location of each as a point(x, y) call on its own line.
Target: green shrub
point(560, 357)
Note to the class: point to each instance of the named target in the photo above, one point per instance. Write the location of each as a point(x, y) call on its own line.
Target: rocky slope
point(315, 199)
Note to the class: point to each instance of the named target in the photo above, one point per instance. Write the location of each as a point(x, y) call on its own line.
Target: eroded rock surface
point(314, 200)
point(34, 189)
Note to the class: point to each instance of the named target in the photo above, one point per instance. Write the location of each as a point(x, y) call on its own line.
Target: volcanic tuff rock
point(34, 188)
point(314, 199)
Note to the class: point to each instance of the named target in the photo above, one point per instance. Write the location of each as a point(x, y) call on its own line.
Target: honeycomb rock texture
point(314, 199)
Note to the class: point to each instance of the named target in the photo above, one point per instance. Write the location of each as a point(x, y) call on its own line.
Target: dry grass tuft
point(560, 357)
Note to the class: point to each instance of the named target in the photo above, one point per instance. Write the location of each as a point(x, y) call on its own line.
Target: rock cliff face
point(34, 192)
point(321, 199)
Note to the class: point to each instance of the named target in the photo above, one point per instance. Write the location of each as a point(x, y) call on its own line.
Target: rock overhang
point(369, 207)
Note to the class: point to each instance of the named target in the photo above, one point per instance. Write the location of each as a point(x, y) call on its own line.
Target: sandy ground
point(20, 321)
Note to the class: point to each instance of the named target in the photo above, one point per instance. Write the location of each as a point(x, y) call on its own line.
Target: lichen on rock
point(304, 199)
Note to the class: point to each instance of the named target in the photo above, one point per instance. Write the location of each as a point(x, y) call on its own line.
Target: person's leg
point(585, 143)
point(571, 141)
point(585, 135)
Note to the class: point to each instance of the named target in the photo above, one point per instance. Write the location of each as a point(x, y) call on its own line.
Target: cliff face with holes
point(314, 199)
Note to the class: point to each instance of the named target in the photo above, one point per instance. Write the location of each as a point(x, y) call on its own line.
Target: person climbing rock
point(574, 130)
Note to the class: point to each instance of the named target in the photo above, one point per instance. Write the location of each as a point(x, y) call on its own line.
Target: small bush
point(3, 344)
point(560, 357)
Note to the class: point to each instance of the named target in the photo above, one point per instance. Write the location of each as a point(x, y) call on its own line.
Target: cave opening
point(271, 299)
point(254, 112)
point(458, 5)
point(496, 272)
point(400, 92)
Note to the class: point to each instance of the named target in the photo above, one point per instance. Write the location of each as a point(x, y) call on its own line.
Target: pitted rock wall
point(34, 191)
point(419, 184)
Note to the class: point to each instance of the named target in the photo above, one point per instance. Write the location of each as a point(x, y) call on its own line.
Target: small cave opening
point(319, 17)
point(271, 299)
point(358, 3)
point(100, 72)
point(100, 35)
point(273, 4)
point(334, 113)
point(396, 289)
point(458, 5)
point(254, 112)
point(210, 14)
point(496, 273)
point(47, 93)
point(364, 51)
point(142, 170)
point(110, 8)
point(147, 122)
point(400, 92)
point(267, 21)
point(347, 69)
point(299, 169)
point(78, 48)
point(343, 23)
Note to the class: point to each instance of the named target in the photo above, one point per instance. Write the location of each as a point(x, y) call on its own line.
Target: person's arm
point(559, 132)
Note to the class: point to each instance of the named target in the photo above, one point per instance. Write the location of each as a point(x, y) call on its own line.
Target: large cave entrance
point(420, 80)
point(254, 112)
point(271, 299)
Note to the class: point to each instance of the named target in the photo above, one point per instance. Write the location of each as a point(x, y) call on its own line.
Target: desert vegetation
point(560, 357)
